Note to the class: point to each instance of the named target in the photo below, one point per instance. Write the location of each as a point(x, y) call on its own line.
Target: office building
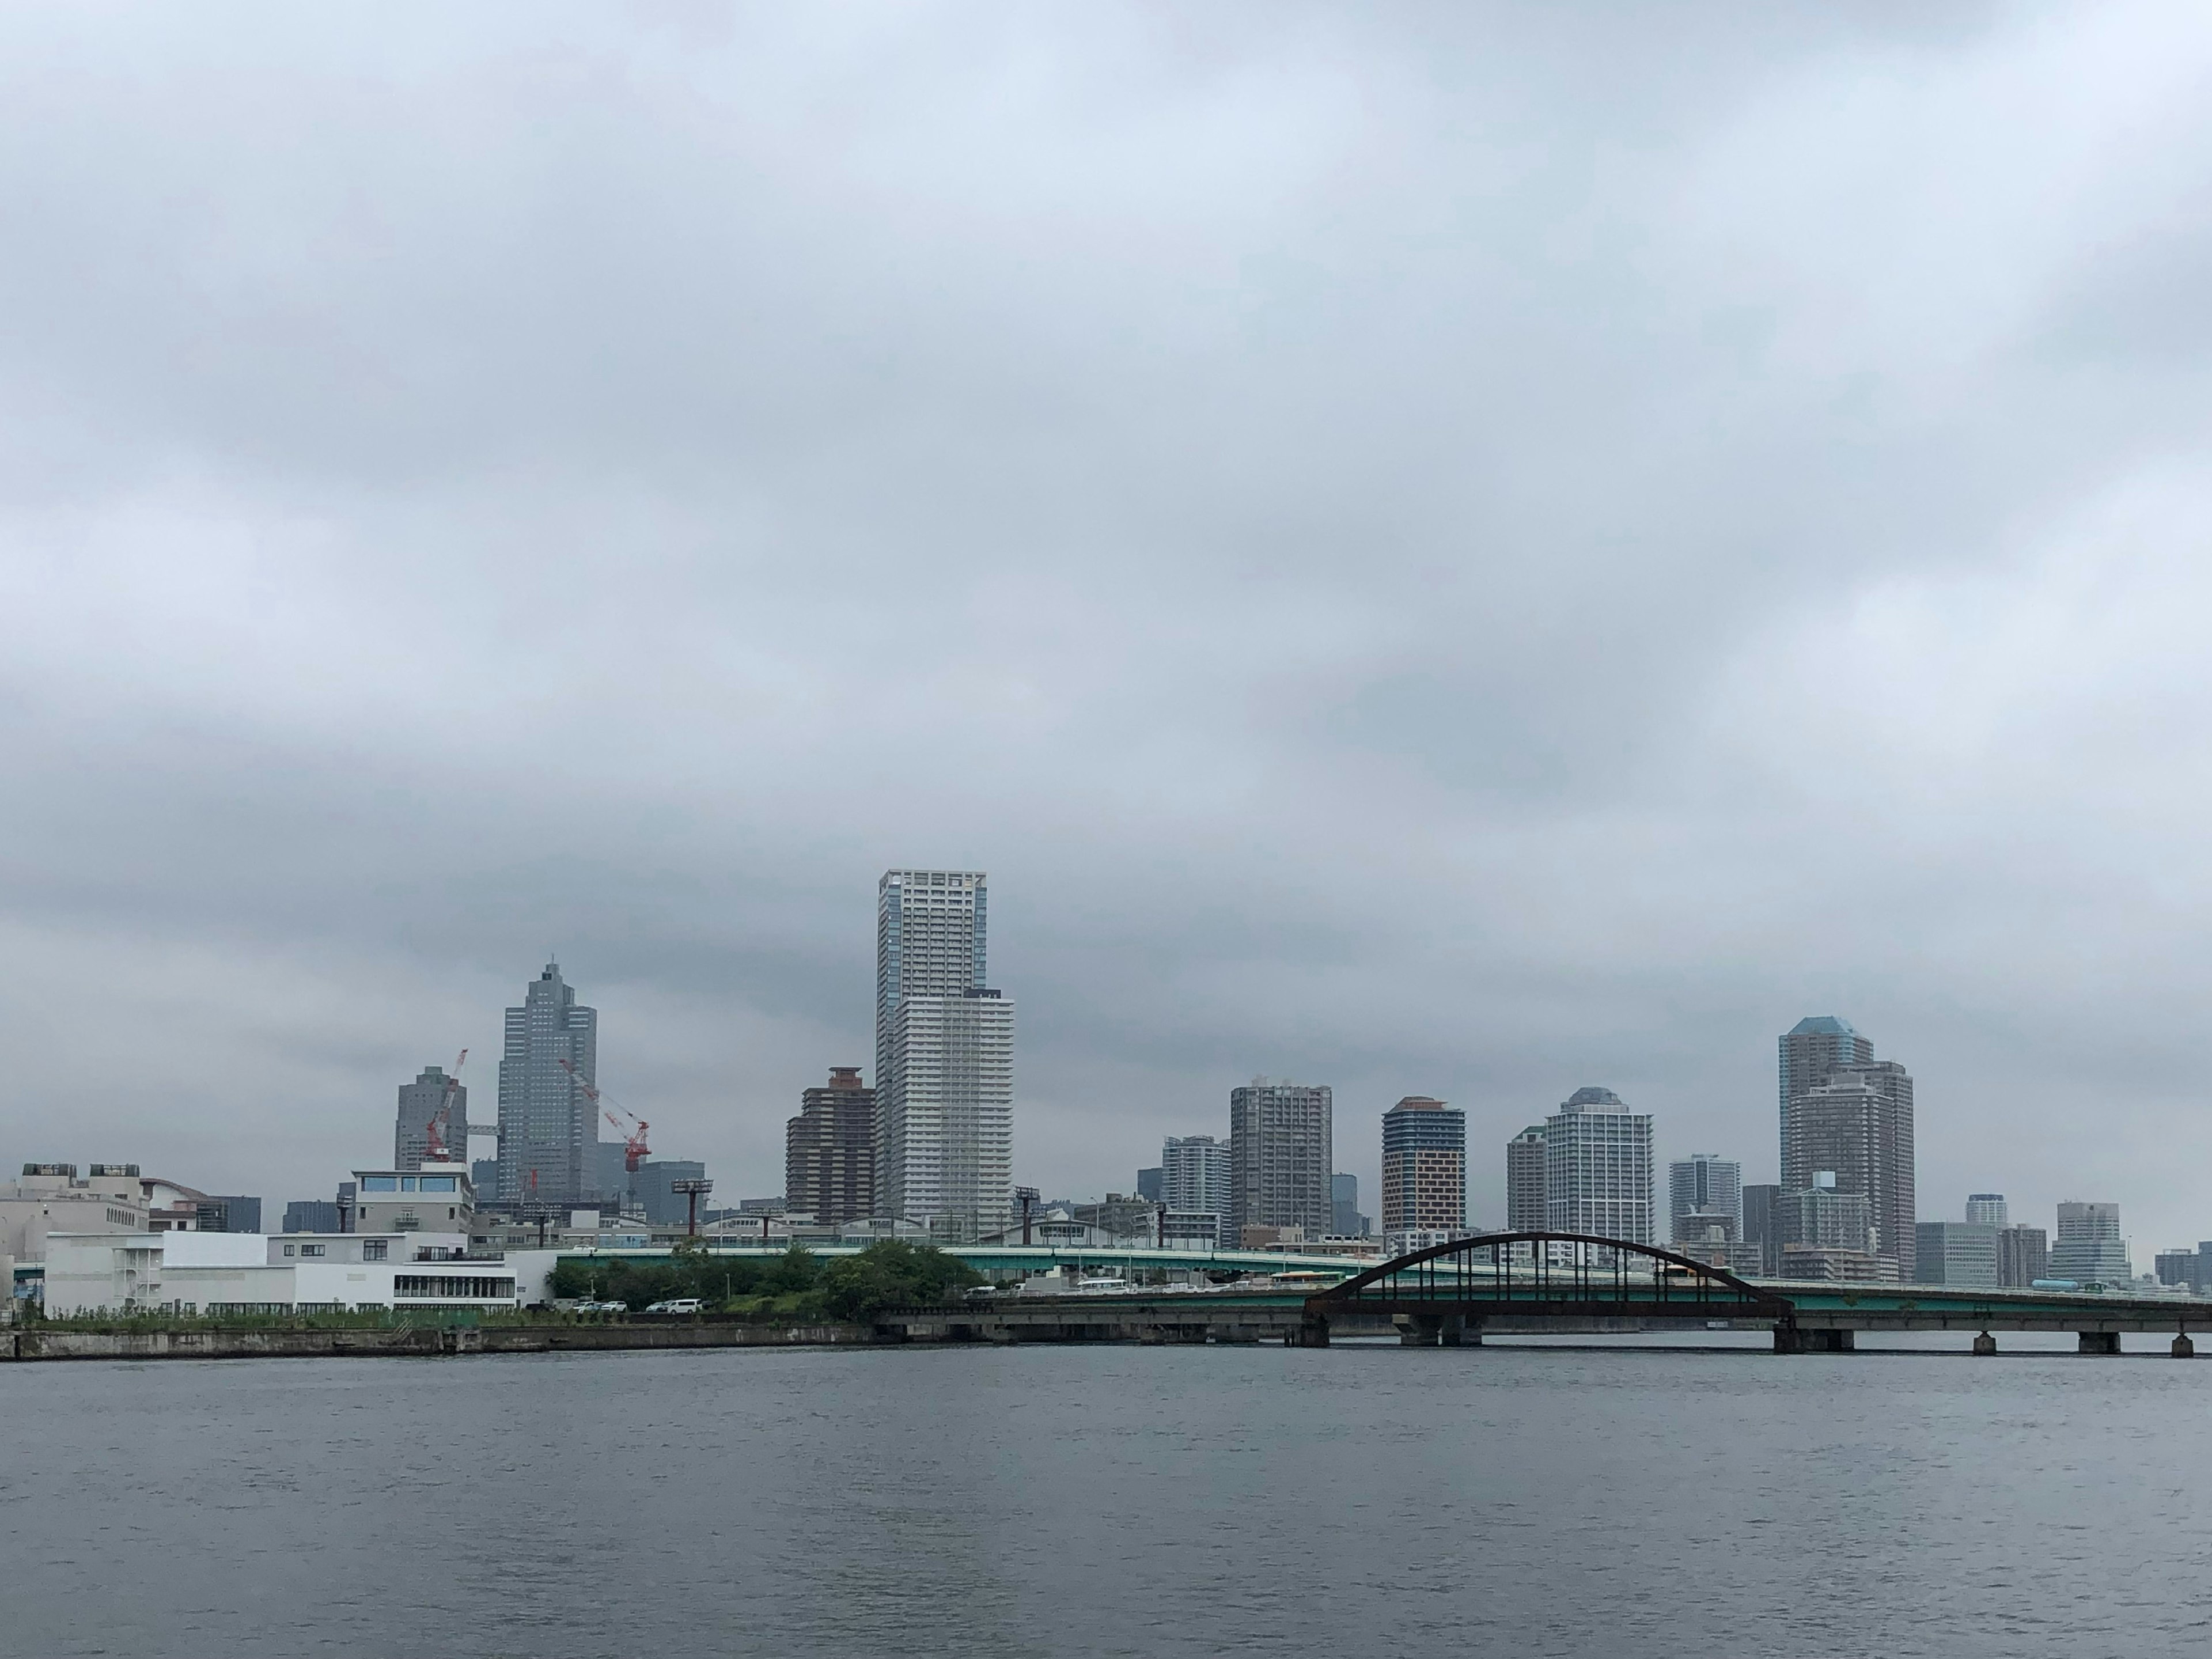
point(830, 1150)
point(2023, 1256)
point(229, 1212)
point(433, 1108)
point(1988, 1208)
point(311, 1215)
point(1281, 1154)
point(1597, 1169)
point(1148, 1182)
point(2088, 1248)
point(1956, 1253)
point(1525, 1209)
point(1424, 1167)
point(1194, 1179)
point(2180, 1266)
point(548, 1125)
point(1762, 1225)
point(1344, 1218)
point(944, 1057)
point(655, 1187)
point(1857, 1122)
point(1708, 1187)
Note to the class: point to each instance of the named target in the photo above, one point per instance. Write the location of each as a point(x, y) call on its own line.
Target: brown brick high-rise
point(830, 1150)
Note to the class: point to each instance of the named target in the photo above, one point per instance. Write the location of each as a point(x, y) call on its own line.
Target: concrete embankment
point(54, 1342)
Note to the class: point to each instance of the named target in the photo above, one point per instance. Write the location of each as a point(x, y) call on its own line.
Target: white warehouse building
point(195, 1273)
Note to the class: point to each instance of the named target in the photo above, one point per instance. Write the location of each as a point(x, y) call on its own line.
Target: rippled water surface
point(1346, 1501)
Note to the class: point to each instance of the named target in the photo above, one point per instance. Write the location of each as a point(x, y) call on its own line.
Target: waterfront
point(1111, 1501)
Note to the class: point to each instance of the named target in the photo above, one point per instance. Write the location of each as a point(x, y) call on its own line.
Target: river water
point(1353, 1500)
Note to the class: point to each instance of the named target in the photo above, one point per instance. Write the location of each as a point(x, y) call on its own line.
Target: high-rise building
point(1709, 1187)
point(1344, 1218)
point(2023, 1256)
point(1525, 1209)
point(1424, 1167)
point(1809, 1050)
point(1856, 1122)
point(830, 1150)
point(664, 1205)
point(1281, 1154)
point(1149, 1183)
point(1988, 1208)
point(2088, 1247)
point(1955, 1252)
point(1597, 1169)
point(944, 1057)
point(1194, 1179)
point(1762, 1225)
point(945, 1153)
point(431, 1098)
point(547, 1124)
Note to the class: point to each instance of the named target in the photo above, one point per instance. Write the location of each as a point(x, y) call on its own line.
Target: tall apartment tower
point(1857, 1122)
point(420, 1103)
point(2089, 1246)
point(1281, 1154)
point(1705, 1185)
point(1194, 1175)
point(1809, 1050)
point(1988, 1208)
point(1526, 1211)
point(944, 1057)
point(830, 1150)
point(1597, 1168)
point(1194, 1180)
point(1424, 1167)
point(547, 1126)
point(2023, 1256)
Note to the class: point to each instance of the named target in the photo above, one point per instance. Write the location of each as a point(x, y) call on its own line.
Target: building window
point(375, 1249)
point(311, 1249)
point(291, 1249)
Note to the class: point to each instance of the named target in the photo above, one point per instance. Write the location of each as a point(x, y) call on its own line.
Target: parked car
point(602, 1307)
point(681, 1304)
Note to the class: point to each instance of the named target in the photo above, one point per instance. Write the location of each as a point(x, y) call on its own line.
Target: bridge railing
point(1551, 1270)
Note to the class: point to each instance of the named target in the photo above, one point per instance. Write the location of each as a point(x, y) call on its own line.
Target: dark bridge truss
point(1540, 1275)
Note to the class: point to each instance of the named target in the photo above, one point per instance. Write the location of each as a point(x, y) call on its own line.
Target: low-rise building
point(208, 1273)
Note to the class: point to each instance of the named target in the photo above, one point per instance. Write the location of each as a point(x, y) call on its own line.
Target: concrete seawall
point(48, 1342)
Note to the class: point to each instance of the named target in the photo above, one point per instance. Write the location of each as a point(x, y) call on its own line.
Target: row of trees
point(795, 1285)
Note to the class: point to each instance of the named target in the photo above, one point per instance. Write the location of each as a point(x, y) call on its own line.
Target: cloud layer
point(1460, 551)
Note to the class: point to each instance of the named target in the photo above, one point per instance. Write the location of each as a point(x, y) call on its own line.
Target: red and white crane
point(629, 1126)
point(433, 1132)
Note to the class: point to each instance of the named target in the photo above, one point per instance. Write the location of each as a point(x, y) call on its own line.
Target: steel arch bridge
point(1446, 1288)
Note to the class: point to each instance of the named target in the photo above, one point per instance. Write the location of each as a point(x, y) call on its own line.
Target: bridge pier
point(2098, 1342)
point(1985, 1343)
point(2183, 1347)
point(1311, 1332)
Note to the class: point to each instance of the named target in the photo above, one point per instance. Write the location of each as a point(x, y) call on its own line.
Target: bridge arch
point(1540, 1273)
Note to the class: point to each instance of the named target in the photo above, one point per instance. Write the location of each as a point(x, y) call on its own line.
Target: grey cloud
point(1464, 550)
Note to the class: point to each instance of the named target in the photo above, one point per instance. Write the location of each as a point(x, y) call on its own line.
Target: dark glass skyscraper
point(547, 1126)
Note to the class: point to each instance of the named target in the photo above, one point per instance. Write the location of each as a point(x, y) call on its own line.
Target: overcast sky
point(1451, 550)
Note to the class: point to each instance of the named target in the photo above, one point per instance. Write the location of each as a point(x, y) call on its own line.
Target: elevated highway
point(1539, 1282)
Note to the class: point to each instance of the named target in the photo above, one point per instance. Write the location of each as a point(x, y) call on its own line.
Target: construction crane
point(442, 1120)
point(634, 1150)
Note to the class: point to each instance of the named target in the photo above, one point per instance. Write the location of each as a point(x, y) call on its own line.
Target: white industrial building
point(194, 1272)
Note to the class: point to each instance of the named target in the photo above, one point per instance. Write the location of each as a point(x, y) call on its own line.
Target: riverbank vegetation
point(797, 1286)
